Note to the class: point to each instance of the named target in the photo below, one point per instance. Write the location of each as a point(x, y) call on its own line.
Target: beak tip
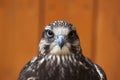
point(60, 41)
point(61, 46)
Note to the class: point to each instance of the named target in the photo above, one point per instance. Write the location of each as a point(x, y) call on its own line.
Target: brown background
point(22, 21)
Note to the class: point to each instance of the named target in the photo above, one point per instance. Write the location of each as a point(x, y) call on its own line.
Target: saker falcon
point(60, 57)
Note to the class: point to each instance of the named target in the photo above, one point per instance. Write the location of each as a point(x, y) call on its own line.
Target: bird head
point(59, 38)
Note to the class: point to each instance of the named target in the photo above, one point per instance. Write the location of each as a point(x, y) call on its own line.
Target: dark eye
point(72, 34)
point(50, 34)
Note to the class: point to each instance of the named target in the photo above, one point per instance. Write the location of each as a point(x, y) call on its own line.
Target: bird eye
point(50, 34)
point(71, 34)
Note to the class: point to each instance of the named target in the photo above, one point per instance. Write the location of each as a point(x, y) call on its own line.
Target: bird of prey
point(60, 57)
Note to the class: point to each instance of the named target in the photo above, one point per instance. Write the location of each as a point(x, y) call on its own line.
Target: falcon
point(60, 57)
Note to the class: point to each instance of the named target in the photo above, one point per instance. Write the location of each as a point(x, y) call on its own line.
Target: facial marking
point(64, 38)
point(61, 31)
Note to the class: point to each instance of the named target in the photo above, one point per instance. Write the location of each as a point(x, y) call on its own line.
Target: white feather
point(31, 78)
point(99, 72)
point(33, 59)
point(41, 61)
point(70, 58)
point(63, 58)
point(58, 59)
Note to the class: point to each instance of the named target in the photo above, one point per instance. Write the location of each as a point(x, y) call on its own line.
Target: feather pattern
point(64, 67)
point(56, 62)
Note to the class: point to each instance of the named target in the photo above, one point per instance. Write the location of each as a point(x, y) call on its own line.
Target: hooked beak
point(60, 40)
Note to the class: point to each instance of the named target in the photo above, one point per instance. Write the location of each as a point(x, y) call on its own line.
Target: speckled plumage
point(61, 57)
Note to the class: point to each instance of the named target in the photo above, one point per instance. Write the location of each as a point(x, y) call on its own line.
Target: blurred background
point(22, 22)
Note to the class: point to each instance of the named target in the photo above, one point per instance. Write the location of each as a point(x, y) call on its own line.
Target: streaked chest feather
point(62, 61)
point(62, 66)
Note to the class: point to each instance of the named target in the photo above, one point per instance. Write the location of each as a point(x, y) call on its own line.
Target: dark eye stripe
point(72, 34)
